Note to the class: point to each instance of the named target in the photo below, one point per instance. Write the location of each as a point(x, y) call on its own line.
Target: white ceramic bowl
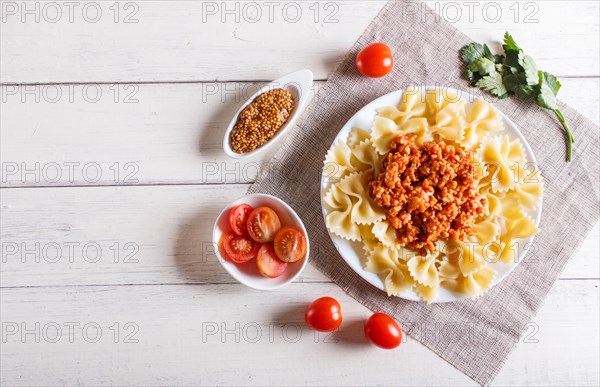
point(298, 84)
point(247, 273)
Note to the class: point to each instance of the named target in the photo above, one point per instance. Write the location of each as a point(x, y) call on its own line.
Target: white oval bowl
point(298, 84)
point(352, 252)
point(247, 273)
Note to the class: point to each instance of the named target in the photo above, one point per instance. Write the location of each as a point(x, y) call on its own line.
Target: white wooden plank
point(145, 134)
point(188, 40)
point(162, 235)
point(191, 335)
point(114, 235)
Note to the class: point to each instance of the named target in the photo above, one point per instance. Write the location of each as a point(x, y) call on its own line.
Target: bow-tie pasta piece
point(364, 209)
point(383, 133)
point(338, 161)
point(412, 104)
point(481, 119)
point(367, 156)
point(437, 99)
point(338, 219)
point(449, 124)
point(516, 229)
point(418, 127)
point(366, 232)
point(448, 270)
point(476, 284)
point(486, 231)
point(501, 159)
point(393, 270)
point(530, 189)
point(494, 203)
point(474, 257)
point(385, 233)
point(358, 135)
point(423, 270)
point(427, 293)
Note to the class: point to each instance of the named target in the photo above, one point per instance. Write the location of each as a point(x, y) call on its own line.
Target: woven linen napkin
point(476, 337)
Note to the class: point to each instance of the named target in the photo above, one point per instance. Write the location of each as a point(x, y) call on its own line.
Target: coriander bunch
point(514, 73)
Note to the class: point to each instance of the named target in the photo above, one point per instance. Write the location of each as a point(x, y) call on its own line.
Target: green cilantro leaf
point(517, 84)
point(487, 52)
point(493, 83)
point(483, 66)
point(530, 68)
point(498, 59)
point(471, 76)
point(468, 74)
point(513, 59)
point(525, 92)
point(472, 53)
point(511, 81)
point(509, 43)
point(552, 82)
point(546, 99)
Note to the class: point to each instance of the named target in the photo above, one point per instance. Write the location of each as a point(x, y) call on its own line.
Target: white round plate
point(352, 251)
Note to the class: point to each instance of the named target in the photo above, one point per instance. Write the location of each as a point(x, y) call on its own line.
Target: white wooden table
point(113, 172)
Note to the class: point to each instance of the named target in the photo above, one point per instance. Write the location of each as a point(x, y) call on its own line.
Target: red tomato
point(238, 218)
point(375, 60)
point(290, 244)
point(383, 331)
point(236, 248)
point(324, 314)
point(267, 262)
point(263, 223)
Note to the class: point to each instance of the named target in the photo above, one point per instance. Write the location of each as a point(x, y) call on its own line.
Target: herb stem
point(570, 138)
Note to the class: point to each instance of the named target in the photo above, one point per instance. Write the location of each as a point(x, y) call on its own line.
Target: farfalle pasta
point(509, 186)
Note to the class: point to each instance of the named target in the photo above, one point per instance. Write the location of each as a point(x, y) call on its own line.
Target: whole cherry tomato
point(324, 314)
point(383, 331)
point(375, 60)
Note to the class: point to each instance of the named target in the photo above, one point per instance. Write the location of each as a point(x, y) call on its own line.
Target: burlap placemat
point(476, 337)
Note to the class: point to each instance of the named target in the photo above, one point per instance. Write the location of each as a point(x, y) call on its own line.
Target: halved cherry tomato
point(263, 223)
point(290, 244)
point(238, 249)
point(324, 314)
point(238, 218)
point(267, 262)
point(383, 331)
point(375, 60)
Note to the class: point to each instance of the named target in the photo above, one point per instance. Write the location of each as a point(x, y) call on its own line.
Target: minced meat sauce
point(429, 192)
